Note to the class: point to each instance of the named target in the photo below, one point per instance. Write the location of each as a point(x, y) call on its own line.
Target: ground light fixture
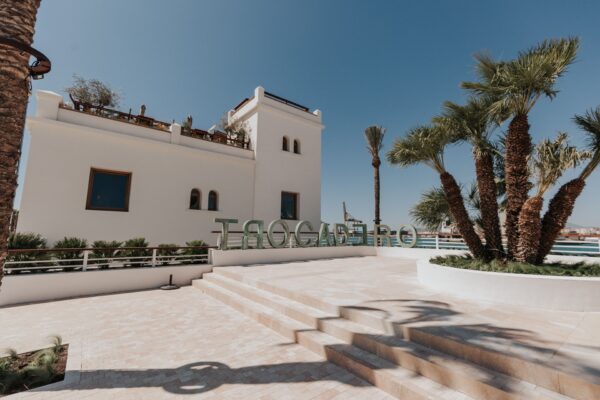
point(170, 285)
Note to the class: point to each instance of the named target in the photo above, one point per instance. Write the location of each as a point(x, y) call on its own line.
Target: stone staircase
point(410, 364)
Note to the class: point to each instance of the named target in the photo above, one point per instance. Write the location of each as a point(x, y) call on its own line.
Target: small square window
point(289, 205)
point(108, 190)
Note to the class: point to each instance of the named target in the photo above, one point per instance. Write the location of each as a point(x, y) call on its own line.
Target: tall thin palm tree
point(549, 161)
point(374, 135)
point(17, 22)
point(517, 85)
point(472, 123)
point(426, 144)
point(562, 204)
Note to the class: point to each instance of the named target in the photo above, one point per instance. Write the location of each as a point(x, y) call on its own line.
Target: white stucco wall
point(18, 289)
point(278, 170)
point(165, 167)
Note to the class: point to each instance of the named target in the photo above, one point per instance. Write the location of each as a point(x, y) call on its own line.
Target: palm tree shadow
point(205, 376)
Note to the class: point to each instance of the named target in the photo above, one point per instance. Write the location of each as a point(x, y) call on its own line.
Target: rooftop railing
point(216, 137)
point(148, 122)
point(286, 101)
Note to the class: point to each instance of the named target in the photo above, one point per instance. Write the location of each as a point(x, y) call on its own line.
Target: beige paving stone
point(172, 345)
point(388, 287)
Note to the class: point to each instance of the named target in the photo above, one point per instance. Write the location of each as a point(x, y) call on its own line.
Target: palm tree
point(432, 210)
point(472, 123)
point(426, 144)
point(17, 22)
point(549, 162)
point(517, 86)
point(374, 135)
point(562, 204)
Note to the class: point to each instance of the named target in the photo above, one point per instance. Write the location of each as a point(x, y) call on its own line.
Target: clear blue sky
point(361, 62)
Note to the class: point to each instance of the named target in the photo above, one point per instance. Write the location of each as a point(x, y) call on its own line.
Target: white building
point(108, 178)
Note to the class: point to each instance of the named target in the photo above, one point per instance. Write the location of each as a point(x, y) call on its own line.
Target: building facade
point(113, 176)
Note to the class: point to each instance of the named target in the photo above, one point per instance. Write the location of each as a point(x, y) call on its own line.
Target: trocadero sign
point(338, 235)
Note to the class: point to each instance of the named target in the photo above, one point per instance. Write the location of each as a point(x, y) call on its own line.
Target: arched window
point(195, 199)
point(213, 201)
point(296, 146)
point(285, 146)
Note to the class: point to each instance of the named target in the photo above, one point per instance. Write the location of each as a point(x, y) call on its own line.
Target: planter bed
point(549, 292)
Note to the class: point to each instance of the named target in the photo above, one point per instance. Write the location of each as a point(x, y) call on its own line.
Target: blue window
point(213, 201)
point(289, 205)
point(108, 190)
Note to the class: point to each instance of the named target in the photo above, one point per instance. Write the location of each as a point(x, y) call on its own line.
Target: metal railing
point(148, 122)
point(426, 241)
point(217, 137)
point(62, 260)
point(117, 115)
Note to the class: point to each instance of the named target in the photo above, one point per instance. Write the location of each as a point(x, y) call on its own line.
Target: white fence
point(67, 260)
point(589, 248)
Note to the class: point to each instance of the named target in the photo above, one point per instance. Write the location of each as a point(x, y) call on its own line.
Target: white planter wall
point(18, 289)
point(555, 293)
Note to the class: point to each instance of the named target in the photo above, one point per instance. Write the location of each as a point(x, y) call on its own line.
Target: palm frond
point(432, 210)
point(516, 85)
point(590, 124)
point(374, 135)
point(422, 144)
point(552, 158)
point(470, 122)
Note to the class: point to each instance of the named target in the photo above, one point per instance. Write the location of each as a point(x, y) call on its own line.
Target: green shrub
point(558, 269)
point(28, 241)
point(103, 251)
point(39, 370)
point(167, 251)
point(70, 243)
point(132, 253)
point(193, 252)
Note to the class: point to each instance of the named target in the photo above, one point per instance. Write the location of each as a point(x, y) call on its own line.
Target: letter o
point(286, 233)
point(415, 235)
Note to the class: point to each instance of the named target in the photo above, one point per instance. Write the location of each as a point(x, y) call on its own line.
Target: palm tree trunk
point(17, 21)
point(461, 217)
point(518, 149)
point(559, 210)
point(530, 230)
point(377, 192)
point(486, 183)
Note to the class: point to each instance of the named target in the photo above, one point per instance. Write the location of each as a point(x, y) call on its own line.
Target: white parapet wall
point(555, 293)
point(17, 289)
point(222, 258)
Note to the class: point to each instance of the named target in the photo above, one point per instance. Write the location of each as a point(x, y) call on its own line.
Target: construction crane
point(348, 217)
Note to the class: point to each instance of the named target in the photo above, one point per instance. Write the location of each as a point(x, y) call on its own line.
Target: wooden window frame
point(296, 203)
point(88, 202)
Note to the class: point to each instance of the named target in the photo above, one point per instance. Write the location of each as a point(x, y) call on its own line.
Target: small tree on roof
point(93, 91)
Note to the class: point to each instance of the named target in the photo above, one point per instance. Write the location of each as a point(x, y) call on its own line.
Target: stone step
point(531, 371)
point(398, 382)
point(456, 373)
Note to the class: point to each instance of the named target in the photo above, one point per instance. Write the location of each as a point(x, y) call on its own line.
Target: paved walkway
point(569, 341)
point(183, 344)
point(173, 344)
